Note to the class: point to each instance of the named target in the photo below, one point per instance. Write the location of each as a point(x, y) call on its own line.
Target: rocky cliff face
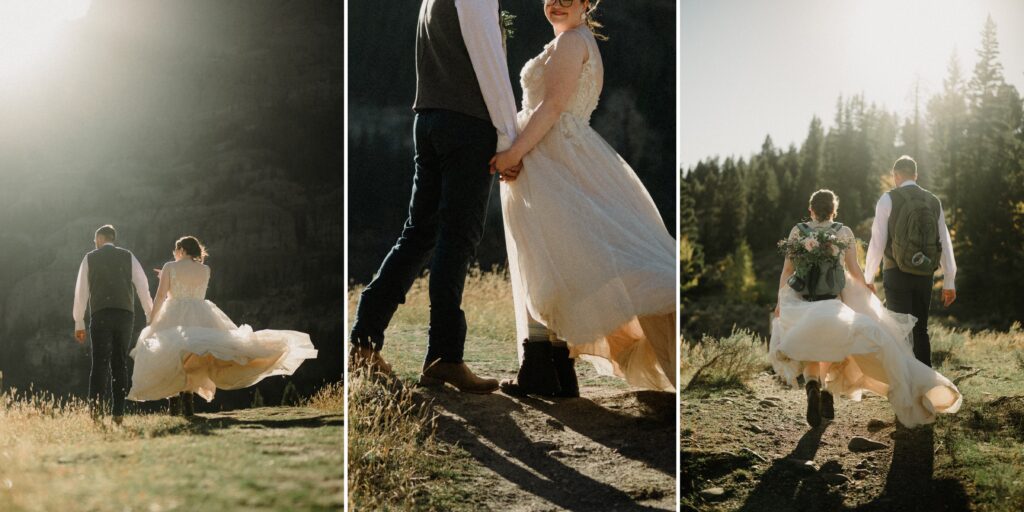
point(636, 114)
point(218, 119)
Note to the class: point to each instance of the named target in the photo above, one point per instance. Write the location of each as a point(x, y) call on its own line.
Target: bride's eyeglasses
point(563, 3)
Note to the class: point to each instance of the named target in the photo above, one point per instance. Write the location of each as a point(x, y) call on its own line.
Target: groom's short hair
point(107, 232)
point(905, 166)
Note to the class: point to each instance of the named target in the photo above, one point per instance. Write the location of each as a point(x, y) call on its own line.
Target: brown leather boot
point(537, 375)
point(459, 375)
point(365, 358)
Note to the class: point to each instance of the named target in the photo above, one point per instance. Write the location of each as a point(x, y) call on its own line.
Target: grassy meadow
point(53, 456)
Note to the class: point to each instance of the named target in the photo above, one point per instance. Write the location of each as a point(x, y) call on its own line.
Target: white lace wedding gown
point(870, 346)
point(589, 255)
point(192, 345)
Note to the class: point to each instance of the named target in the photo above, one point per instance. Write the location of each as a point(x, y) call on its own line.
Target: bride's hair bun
point(192, 247)
point(824, 204)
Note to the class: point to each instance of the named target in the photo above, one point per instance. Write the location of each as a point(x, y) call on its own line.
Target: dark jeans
point(907, 293)
point(450, 192)
point(111, 333)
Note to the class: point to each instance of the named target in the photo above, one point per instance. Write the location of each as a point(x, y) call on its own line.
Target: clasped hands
point(507, 164)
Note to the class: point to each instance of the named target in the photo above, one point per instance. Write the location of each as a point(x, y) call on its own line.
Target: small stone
point(756, 429)
point(832, 466)
point(875, 424)
point(863, 444)
point(773, 398)
point(767, 403)
point(802, 466)
point(754, 454)
point(557, 453)
point(860, 474)
point(553, 423)
point(713, 493)
point(835, 478)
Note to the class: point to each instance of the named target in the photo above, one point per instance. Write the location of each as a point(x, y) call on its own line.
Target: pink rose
point(810, 244)
point(835, 250)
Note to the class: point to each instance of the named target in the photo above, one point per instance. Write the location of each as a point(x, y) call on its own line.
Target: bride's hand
point(157, 270)
point(507, 164)
point(776, 311)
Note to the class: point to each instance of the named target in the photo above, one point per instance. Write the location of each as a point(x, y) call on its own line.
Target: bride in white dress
point(589, 255)
point(191, 346)
point(851, 344)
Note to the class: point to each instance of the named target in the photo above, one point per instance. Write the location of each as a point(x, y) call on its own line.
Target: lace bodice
point(588, 88)
point(189, 279)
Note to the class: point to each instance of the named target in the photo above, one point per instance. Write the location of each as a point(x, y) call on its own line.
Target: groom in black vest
point(460, 70)
point(108, 280)
point(904, 217)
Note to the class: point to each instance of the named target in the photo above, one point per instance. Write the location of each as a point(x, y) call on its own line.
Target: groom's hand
point(871, 286)
point(80, 336)
point(948, 297)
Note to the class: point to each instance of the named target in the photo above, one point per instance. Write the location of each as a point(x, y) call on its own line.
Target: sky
point(749, 68)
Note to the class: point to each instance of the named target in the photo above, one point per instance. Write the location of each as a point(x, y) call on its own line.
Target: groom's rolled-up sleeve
point(142, 287)
point(946, 261)
point(879, 237)
point(81, 295)
point(481, 31)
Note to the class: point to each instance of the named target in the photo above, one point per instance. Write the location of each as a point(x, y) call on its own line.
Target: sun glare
point(894, 42)
point(28, 29)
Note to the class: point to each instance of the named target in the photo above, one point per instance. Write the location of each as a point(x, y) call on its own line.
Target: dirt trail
point(749, 450)
point(610, 450)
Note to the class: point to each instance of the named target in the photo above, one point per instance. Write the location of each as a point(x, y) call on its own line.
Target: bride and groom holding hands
point(189, 346)
point(592, 265)
point(832, 329)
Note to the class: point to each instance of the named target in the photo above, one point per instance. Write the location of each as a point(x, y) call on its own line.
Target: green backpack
point(914, 230)
point(827, 278)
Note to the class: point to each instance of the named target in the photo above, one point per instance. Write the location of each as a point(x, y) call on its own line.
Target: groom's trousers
point(908, 293)
point(110, 331)
point(450, 192)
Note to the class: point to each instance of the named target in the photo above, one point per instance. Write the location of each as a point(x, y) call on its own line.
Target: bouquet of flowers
point(810, 252)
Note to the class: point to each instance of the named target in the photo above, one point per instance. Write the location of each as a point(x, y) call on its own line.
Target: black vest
point(110, 279)
point(444, 73)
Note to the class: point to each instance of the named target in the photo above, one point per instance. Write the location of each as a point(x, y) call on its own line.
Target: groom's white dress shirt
point(481, 31)
point(82, 291)
point(880, 236)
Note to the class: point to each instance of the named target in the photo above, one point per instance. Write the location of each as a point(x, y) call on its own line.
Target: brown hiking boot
point(368, 359)
point(458, 375)
point(537, 375)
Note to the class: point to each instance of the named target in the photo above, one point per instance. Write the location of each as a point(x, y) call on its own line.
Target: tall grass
point(716, 363)
point(394, 459)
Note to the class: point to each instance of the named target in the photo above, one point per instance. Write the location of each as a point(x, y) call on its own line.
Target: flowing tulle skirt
point(193, 346)
point(870, 347)
point(590, 257)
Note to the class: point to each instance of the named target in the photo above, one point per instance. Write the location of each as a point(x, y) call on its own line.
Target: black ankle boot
point(188, 407)
point(565, 366)
point(537, 374)
point(174, 405)
point(813, 388)
point(828, 410)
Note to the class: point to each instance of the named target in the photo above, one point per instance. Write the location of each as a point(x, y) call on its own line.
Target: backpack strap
point(836, 226)
point(804, 228)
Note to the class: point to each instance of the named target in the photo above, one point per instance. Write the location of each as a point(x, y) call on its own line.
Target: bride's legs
point(827, 407)
point(812, 380)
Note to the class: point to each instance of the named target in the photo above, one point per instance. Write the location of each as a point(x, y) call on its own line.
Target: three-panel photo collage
point(511, 255)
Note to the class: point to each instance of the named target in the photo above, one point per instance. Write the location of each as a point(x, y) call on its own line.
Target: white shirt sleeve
point(946, 261)
point(142, 287)
point(81, 295)
point(481, 31)
point(879, 237)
